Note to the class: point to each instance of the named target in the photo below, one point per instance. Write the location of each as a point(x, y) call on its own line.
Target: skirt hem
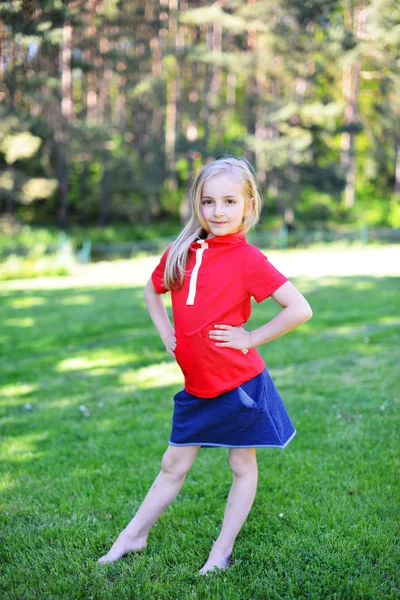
point(213, 445)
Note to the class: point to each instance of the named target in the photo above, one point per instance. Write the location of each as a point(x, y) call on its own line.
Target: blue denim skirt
point(250, 416)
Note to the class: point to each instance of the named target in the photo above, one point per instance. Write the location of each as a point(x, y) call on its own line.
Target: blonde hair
point(178, 255)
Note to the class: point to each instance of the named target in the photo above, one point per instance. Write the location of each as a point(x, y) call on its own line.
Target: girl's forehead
point(225, 183)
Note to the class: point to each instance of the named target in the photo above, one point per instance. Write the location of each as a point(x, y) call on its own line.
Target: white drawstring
point(195, 272)
point(193, 277)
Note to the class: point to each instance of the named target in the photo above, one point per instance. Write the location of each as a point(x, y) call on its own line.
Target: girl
point(229, 398)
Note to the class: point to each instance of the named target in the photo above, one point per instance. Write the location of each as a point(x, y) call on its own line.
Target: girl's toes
point(212, 564)
point(103, 559)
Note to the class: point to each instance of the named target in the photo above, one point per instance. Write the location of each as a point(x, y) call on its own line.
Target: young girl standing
point(229, 398)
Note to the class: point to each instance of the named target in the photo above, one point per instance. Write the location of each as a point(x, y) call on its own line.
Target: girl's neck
point(208, 235)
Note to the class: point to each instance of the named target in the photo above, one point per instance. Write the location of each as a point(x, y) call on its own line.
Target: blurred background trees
point(108, 107)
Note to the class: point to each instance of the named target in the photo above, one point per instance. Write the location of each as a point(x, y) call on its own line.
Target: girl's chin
point(219, 231)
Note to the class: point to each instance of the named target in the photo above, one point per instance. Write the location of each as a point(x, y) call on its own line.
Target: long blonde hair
point(196, 226)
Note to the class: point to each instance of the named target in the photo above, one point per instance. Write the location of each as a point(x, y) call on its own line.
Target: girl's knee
point(242, 460)
point(177, 461)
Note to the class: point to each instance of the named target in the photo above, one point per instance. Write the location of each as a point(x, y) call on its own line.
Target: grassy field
point(86, 403)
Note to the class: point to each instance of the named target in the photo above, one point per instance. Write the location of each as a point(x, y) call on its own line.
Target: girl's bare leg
point(243, 463)
point(175, 464)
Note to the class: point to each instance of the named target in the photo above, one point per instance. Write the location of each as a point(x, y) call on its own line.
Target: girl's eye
point(228, 200)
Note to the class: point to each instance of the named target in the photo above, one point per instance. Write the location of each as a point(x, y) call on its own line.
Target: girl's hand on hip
point(227, 336)
point(170, 344)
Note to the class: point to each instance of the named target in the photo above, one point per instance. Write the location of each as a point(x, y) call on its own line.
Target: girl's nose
point(218, 210)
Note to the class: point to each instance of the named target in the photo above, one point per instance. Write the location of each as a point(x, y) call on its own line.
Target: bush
point(16, 267)
point(316, 206)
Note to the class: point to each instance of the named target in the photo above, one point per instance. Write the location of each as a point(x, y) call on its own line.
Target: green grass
point(324, 523)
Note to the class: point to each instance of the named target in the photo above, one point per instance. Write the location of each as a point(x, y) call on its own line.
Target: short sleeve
point(157, 276)
point(262, 278)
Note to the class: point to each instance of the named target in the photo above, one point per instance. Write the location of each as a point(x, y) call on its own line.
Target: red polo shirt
point(222, 275)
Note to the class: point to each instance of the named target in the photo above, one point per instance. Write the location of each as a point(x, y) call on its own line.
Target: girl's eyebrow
point(227, 196)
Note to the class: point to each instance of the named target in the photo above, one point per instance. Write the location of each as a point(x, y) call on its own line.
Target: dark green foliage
point(312, 10)
point(130, 99)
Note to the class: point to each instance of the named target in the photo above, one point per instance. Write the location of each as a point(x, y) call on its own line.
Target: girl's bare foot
point(123, 545)
point(216, 561)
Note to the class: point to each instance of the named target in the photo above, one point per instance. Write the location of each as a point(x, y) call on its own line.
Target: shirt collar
point(222, 240)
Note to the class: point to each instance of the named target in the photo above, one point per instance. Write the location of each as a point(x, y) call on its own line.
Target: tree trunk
point(212, 82)
point(11, 204)
point(146, 214)
point(6, 62)
point(275, 183)
point(256, 110)
point(260, 133)
point(231, 89)
point(251, 96)
point(355, 18)
point(171, 109)
point(90, 57)
point(185, 208)
point(61, 133)
point(105, 191)
point(104, 92)
point(121, 104)
point(11, 198)
point(157, 119)
point(348, 159)
point(83, 193)
point(157, 206)
point(396, 187)
point(66, 74)
point(62, 176)
point(12, 83)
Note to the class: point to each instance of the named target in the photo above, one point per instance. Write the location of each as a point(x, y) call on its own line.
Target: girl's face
point(222, 205)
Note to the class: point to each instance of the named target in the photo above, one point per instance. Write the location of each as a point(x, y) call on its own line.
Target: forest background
point(109, 107)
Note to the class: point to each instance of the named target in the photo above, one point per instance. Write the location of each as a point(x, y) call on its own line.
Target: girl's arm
point(160, 318)
point(296, 311)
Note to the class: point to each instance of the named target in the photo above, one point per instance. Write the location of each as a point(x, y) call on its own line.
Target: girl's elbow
point(303, 313)
point(307, 313)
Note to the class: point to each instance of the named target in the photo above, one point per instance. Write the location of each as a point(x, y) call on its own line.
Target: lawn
point(86, 402)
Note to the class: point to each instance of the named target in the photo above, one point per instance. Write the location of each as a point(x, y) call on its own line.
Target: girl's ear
point(250, 206)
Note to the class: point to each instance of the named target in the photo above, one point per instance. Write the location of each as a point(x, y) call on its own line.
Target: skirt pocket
point(245, 399)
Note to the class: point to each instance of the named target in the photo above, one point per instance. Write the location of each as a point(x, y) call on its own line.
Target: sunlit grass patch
point(154, 376)
point(27, 302)
point(26, 322)
point(77, 300)
point(21, 447)
point(86, 363)
point(16, 389)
